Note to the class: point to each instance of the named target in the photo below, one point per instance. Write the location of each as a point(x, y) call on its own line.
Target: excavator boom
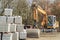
point(41, 11)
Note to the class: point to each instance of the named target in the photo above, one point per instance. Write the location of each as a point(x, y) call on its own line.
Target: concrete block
point(4, 28)
point(33, 33)
point(0, 36)
point(23, 35)
point(2, 20)
point(18, 19)
point(15, 36)
point(10, 19)
point(8, 12)
point(12, 27)
point(20, 27)
point(0, 4)
point(8, 36)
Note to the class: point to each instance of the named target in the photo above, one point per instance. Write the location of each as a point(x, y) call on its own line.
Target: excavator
point(48, 22)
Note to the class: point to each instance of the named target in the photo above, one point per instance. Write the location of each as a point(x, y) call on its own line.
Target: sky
point(51, 1)
point(30, 1)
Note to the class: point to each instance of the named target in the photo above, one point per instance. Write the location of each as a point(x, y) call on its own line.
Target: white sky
point(51, 1)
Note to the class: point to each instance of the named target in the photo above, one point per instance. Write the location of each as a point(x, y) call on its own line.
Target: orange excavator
point(48, 22)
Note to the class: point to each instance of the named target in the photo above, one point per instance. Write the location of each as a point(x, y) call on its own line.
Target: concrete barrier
point(12, 27)
point(4, 28)
point(18, 19)
point(2, 20)
point(15, 36)
point(33, 33)
point(8, 36)
point(10, 19)
point(23, 35)
point(20, 27)
point(8, 12)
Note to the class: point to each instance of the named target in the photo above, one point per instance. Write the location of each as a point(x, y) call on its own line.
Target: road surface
point(47, 36)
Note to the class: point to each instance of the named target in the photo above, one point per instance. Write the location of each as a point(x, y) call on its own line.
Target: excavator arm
point(41, 11)
point(44, 21)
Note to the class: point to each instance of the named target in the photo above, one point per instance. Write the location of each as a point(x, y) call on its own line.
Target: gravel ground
point(47, 36)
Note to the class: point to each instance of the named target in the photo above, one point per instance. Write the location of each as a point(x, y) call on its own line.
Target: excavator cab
point(51, 21)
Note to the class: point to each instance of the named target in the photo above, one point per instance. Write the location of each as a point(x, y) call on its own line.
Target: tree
point(4, 4)
point(20, 8)
point(56, 10)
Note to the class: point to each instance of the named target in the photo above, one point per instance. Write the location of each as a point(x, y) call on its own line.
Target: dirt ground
point(47, 36)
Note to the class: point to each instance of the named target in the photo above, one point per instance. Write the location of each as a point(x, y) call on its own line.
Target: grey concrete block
point(7, 36)
point(15, 36)
point(23, 34)
point(33, 33)
point(8, 12)
point(20, 27)
point(2, 20)
point(12, 27)
point(10, 19)
point(18, 19)
point(4, 28)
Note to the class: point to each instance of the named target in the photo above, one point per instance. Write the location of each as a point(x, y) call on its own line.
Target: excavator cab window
point(50, 21)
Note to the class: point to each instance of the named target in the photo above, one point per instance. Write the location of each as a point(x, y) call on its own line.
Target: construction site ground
point(47, 36)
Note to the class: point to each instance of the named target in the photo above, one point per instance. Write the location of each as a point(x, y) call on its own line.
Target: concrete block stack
point(20, 28)
point(11, 27)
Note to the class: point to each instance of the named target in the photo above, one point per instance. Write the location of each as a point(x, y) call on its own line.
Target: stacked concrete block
point(15, 36)
point(18, 19)
point(10, 19)
point(7, 27)
point(35, 33)
point(23, 35)
point(0, 36)
point(4, 28)
point(12, 27)
point(2, 20)
point(20, 27)
point(8, 12)
point(8, 36)
point(0, 4)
